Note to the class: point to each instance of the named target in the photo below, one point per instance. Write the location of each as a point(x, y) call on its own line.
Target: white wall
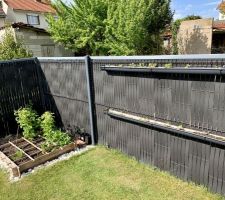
point(221, 16)
point(13, 16)
point(21, 16)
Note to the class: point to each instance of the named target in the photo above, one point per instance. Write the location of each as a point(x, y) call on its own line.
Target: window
point(33, 19)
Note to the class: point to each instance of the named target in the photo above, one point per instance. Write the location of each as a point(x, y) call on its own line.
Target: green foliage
point(135, 27)
point(28, 120)
point(80, 26)
point(17, 155)
point(168, 65)
point(12, 49)
point(116, 27)
point(175, 28)
point(53, 138)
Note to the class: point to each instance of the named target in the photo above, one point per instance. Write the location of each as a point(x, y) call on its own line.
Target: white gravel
point(66, 156)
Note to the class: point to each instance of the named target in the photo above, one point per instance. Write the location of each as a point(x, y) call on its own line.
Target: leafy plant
point(28, 120)
point(110, 27)
point(17, 155)
point(12, 48)
point(168, 65)
point(53, 137)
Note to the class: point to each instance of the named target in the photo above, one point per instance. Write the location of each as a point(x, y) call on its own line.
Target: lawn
point(100, 174)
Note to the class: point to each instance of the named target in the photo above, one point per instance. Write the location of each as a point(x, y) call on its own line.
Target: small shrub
point(53, 137)
point(17, 155)
point(28, 120)
point(12, 48)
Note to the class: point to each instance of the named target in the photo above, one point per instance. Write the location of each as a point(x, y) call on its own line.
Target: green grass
point(100, 174)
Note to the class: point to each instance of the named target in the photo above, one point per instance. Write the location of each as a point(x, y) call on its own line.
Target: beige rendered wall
point(195, 37)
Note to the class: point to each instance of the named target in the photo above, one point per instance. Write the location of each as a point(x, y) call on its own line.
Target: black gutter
point(169, 129)
point(176, 70)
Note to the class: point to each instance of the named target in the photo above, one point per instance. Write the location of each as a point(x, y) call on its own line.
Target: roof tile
point(30, 5)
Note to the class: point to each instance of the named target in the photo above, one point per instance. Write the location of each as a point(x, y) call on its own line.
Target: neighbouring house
point(201, 36)
point(27, 19)
point(195, 36)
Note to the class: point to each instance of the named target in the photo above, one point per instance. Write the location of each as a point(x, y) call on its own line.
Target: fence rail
point(186, 92)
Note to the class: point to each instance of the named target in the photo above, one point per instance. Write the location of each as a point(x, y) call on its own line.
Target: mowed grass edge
point(101, 173)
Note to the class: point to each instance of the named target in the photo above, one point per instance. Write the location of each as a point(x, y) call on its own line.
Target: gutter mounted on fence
point(166, 127)
point(177, 70)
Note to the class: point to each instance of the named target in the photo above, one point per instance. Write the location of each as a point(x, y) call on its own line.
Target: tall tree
point(135, 27)
point(117, 27)
point(80, 26)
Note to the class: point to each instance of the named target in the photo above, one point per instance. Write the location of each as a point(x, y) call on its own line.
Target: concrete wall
point(195, 37)
point(41, 44)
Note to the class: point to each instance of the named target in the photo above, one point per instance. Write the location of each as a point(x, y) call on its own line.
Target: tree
point(135, 27)
point(80, 26)
point(103, 27)
point(12, 49)
point(175, 28)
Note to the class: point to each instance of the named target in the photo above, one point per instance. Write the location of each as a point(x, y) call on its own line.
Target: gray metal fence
point(185, 91)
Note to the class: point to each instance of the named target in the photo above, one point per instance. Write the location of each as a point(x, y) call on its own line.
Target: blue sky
point(204, 8)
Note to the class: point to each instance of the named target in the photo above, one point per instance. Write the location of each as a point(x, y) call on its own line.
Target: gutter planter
point(30, 154)
point(175, 70)
point(190, 133)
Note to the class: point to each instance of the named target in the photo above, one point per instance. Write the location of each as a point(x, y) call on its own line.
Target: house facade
point(27, 19)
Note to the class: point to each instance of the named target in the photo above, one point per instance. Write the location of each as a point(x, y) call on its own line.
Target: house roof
point(219, 25)
point(25, 26)
point(2, 13)
point(30, 5)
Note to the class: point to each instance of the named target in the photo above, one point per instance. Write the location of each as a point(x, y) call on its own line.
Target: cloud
point(212, 3)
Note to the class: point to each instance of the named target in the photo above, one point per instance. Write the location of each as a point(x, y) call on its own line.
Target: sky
point(182, 8)
point(204, 8)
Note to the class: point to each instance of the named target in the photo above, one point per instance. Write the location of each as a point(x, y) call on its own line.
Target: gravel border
point(66, 156)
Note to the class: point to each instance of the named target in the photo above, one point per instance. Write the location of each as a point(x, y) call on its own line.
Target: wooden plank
point(46, 157)
point(21, 150)
point(33, 144)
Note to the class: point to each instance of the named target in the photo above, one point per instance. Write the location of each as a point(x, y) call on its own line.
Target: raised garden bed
point(20, 155)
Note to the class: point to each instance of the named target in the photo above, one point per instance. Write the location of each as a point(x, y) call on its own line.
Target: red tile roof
point(30, 5)
point(220, 24)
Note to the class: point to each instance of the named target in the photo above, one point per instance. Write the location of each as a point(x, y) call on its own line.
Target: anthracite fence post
point(91, 99)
